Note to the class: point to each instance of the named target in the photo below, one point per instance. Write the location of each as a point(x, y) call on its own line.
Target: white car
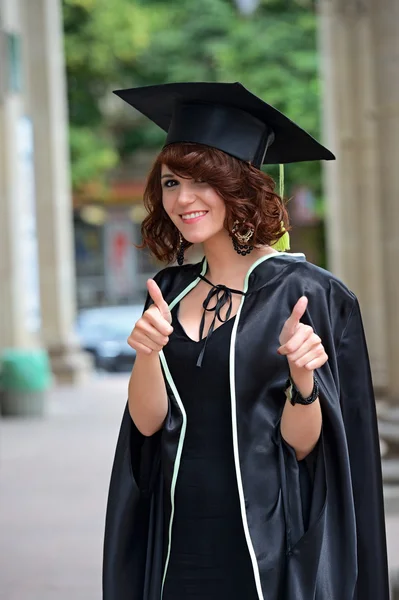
point(103, 331)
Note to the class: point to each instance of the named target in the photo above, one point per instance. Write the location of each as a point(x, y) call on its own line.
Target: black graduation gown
point(315, 528)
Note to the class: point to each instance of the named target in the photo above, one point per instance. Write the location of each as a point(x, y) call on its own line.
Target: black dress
point(209, 557)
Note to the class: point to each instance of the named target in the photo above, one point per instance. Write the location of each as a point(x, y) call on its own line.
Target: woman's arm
point(148, 402)
point(301, 425)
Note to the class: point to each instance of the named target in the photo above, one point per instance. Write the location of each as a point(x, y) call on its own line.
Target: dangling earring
point(240, 240)
point(180, 252)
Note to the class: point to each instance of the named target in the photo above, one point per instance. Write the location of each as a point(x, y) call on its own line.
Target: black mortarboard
point(228, 117)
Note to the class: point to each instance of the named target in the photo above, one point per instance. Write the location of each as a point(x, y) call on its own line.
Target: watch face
point(288, 391)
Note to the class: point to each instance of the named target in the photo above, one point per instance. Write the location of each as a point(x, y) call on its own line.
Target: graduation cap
point(228, 117)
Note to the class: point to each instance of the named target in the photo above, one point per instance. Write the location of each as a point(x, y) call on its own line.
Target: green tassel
point(283, 243)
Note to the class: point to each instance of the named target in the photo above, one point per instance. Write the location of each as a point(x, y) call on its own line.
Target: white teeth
point(194, 215)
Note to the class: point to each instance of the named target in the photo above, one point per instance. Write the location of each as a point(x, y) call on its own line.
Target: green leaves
point(131, 42)
point(92, 156)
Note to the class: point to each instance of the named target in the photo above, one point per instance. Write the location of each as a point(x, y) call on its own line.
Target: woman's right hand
point(152, 330)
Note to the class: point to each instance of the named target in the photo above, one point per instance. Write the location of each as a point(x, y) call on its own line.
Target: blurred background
point(73, 164)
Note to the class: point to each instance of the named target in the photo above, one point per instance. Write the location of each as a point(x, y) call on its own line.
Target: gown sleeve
point(334, 501)
point(360, 422)
point(130, 527)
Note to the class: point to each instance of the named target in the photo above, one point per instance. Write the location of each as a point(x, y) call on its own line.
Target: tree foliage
point(131, 43)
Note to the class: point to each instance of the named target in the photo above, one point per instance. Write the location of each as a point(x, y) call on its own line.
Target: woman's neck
point(227, 267)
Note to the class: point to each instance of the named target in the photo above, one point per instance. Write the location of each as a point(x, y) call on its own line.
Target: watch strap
point(294, 396)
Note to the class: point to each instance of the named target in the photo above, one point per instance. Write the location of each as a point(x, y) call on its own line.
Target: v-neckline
point(176, 309)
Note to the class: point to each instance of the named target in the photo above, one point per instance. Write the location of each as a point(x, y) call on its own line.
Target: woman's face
point(193, 206)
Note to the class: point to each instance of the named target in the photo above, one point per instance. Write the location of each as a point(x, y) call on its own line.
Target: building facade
point(43, 228)
point(37, 273)
point(359, 49)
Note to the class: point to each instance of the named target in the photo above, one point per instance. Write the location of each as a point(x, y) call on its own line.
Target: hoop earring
point(241, 239)
point(180, 252)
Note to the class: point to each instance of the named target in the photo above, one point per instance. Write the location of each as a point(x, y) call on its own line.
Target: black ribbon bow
point(223, 296)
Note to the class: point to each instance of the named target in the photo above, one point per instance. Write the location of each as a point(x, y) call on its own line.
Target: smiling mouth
point(194, 215)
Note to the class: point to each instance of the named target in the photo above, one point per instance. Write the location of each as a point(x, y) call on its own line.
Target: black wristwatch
point(294, 396)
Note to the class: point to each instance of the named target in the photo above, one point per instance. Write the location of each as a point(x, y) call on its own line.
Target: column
point(18, 326)
point(386, 44)
point(352, 182)
point(46, 102)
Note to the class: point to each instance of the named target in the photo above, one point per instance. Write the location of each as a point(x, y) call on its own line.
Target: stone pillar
point(386, 44)
point(15, 326)
point(46, 104)
point(353, 186)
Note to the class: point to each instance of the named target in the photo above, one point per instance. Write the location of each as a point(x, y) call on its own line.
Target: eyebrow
point(166, 175)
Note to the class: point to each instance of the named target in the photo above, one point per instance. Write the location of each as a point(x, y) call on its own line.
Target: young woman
point(247, 466)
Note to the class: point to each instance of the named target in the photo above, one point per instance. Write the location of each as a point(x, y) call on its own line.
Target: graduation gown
point(315, 528)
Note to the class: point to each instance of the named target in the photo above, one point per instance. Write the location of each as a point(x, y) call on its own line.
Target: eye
point(168, 183)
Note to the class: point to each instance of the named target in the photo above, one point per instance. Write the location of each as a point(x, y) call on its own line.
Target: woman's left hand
point(300, 344)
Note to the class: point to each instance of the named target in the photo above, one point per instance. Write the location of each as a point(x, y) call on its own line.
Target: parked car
point(103, 332)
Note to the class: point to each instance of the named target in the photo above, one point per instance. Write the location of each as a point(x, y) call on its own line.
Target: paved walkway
point(54, 475)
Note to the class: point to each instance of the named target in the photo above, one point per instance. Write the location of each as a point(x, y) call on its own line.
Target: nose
point(186, 196)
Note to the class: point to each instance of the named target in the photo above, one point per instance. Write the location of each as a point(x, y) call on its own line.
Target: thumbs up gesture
point(300, 344)
point(152, 330)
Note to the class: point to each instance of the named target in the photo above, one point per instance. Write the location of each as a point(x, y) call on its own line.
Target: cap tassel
point(281, 181)
point(283, 243)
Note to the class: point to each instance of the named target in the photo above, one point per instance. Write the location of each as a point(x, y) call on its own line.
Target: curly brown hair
point(247, 192)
